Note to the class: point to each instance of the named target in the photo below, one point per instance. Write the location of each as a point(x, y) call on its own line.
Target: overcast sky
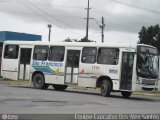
point(123, 18)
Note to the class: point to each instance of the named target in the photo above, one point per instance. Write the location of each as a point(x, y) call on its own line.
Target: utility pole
point(87, 25)
point(49, 35)
point(102, 28)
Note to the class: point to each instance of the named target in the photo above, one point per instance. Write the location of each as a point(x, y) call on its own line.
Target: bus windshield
point(147, 62)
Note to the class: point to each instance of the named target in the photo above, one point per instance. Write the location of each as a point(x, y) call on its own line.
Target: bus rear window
point(40, 53)
point(108, 56)
point(11, 51)
point(56, 53)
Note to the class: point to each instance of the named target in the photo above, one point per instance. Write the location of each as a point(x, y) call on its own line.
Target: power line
point(122, 6)
point(132, 6)
point(136, 7)
point(61, 10)
point(132, 21)
point(48, 14)
point(69, 7)
point(30, 5)
point(66, 30)
point(53, 18)
point(20, 13)
point(122, 18)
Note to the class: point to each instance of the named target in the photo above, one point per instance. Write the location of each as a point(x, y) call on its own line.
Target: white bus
point(110, 67)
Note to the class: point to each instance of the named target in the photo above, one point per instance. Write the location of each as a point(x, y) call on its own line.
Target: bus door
point(127, 70)
point(72, 66)
point(24, 64)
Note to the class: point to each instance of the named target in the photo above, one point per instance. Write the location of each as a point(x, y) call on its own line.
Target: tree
point(85, 40)
point(75, 40)
point(68, 40)
point(150, 36)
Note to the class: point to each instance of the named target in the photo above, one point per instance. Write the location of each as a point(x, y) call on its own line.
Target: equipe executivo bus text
point(117, 116)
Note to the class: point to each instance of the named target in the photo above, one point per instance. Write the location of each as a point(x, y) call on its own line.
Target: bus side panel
point(10, 62)
point(10, 68)
point(87, 76)
point(52, 71)
point(113, 72)
point(87, 82)
point(54, 79)
point(57, 75)
point(89, 73)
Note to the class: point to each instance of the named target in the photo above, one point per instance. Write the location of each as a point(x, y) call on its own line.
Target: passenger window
point(89, 55)
point(11, 51)
point(108, 56)
point(40, 53)
point(56, 53)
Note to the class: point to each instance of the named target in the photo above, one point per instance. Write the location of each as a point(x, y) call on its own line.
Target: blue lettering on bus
point(43, 63)
point(35, 63)
point(47, 63)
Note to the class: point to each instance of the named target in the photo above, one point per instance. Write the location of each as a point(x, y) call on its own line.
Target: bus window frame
point(41, 53)
point(56, 54)
point(17, 52)
point(95, 59)
point(115, 62)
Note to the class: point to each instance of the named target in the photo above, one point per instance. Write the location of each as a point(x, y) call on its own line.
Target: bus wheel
point(105, 88)
point(126, 94)
point(39, 82)
point(60, 87)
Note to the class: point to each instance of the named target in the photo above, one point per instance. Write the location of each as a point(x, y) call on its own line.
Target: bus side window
point(40, 53)
point(108, 56)
point(11, 51)
point(89, 55)
point(56, 53)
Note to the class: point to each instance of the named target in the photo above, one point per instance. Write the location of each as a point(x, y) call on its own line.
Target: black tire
point(106, 88)
point(39, 82)
point(45, 86)
point(60, 87)
point(126, 94)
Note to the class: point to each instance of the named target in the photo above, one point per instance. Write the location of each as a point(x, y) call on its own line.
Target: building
point(8, 35)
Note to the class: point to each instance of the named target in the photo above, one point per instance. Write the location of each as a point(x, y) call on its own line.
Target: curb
point(13, 82)
point(156, 94)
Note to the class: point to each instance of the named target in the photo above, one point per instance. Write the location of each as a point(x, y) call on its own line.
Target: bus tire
point(60, 87)
point(39, 82)
point(106, 88)
point(126, 94)
point(45, 86)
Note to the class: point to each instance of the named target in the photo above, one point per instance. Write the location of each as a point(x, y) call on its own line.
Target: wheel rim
point(38, 81)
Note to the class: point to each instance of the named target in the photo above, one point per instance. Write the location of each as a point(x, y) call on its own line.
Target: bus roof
point(77, 44)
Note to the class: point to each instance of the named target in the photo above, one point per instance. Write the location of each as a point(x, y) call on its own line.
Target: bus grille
point(147, 89)
point(148, 82)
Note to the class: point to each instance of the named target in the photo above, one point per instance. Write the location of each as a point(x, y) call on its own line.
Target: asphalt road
point(27, 100)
